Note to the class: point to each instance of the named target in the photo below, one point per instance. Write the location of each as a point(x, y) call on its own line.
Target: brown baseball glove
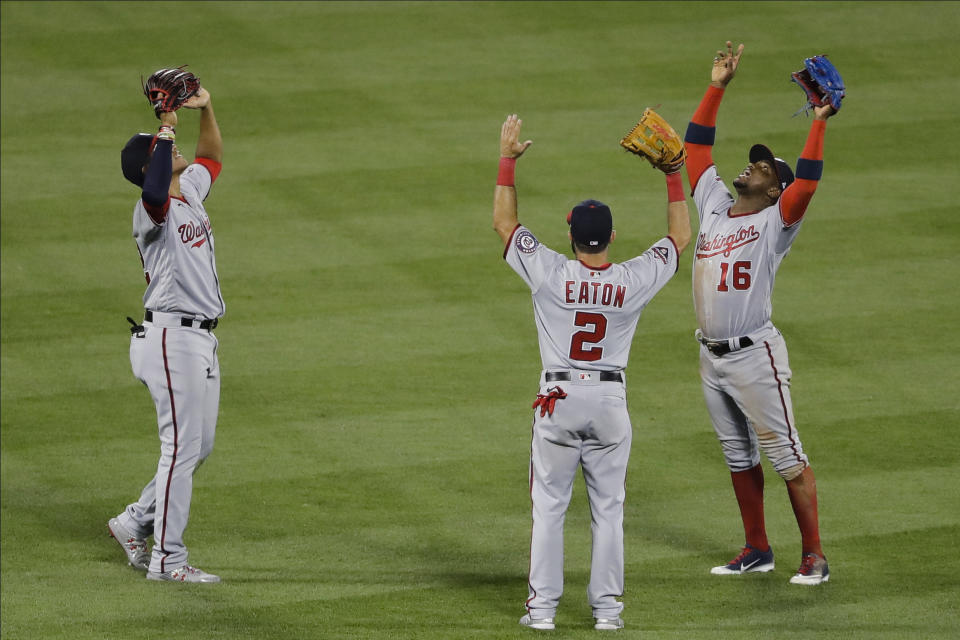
point(654, 139)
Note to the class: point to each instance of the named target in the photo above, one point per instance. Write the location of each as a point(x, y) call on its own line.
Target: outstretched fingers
point(510, 146)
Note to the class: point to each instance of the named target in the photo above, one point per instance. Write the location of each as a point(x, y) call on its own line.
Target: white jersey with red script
point(178, 254)
point(586, 316)
point(735, 261)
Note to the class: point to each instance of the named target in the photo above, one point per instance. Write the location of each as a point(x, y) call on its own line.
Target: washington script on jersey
point(592, 293)
point(191, 231)
point(725, 244)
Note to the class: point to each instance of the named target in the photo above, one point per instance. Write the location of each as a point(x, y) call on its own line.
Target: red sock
point(803, 498)
point(748, 486)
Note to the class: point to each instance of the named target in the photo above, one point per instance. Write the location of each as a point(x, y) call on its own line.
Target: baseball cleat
point(608, 624)
point(186, 573)
point(750, 560)
point(813, 570)
point(545, 624)
point(135, 548)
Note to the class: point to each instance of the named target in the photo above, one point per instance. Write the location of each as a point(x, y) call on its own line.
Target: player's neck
point(749, 204)
point(174, 191)
point(593, 259)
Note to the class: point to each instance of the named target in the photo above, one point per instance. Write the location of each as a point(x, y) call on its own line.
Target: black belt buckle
point(207, 325)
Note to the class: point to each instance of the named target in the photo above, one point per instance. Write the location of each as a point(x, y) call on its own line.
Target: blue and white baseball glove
point(822, 83)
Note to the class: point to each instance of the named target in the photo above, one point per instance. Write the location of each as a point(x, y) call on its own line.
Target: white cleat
point(186, 573)
point(608, 624)
point(135, 548)
point(545, 624)
point(813, 570)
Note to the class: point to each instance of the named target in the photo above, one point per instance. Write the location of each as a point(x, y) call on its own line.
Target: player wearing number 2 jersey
point(743, 358)
point(586, 312)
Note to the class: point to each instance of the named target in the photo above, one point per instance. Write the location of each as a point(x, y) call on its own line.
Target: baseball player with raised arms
point(743, 358)
point(174, 351)
point(586, 312)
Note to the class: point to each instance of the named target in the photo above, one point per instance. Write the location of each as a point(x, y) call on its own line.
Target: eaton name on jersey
point(594, 293)
point(721, 244)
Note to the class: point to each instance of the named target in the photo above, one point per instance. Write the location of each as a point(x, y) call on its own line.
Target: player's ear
point(613, 235)
point(774, 192)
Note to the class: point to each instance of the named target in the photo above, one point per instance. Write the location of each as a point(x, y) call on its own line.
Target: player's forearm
point(678, 217)
point(505, 199)
point(505, 211)
point(156, 181)
point(701, 133)
point(794, 201)
point(706, 113)
point(209, 142)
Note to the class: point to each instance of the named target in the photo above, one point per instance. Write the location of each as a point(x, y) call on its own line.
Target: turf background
point(379, 359)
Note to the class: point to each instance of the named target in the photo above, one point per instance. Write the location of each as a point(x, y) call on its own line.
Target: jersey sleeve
point(783, 240)
point(654, 267)
point(711, 195)
point(531, 260)
point(145, 228)
point(196, 180)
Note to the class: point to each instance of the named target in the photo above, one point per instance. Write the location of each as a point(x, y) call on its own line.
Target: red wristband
point(675, 187)
point(505, 175)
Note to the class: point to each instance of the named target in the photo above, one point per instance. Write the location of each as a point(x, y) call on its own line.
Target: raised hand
point(725, 65)
point(510, 145)
point(198, 100)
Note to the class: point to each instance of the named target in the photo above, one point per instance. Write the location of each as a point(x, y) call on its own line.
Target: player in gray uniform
point(743, 358)
point(174, 351)
point(586, 312)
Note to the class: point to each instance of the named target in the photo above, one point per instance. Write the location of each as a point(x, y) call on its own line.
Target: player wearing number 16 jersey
point(743, 358)
point(586, 312)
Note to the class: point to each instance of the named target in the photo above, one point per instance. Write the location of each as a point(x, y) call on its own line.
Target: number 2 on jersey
point(578, 350)
point(741, 275)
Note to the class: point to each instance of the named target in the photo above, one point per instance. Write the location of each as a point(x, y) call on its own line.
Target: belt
point(605, 376)
point(199, 323)
point(723, 347)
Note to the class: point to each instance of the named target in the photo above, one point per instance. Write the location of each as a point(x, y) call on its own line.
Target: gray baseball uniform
point(747, 391)
point(175, 355)
point(586, 317)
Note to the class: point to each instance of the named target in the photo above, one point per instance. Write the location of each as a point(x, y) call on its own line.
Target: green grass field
point(379, 358)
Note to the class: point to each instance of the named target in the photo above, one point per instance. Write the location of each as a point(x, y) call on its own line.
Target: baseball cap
point(135, 154)
point(591, 223)
point(759, 152)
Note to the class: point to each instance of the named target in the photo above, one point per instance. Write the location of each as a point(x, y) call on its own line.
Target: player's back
point(586, 316)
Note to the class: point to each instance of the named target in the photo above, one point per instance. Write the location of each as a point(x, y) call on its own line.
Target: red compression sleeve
point(675, 187)
point(706, 113)
point(794, 201)
point(505, 177)
point(700, 134)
